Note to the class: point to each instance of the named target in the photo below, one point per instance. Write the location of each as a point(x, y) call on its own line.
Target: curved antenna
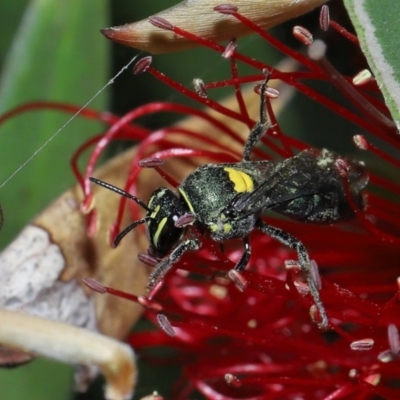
point(123, 233)
point(120, 192)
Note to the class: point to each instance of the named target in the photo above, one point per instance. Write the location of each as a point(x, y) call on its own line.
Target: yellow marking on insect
point(213, 227)
point(158, 231)
point(242, 181)
point(227, 228)
point(150, 203)
point(185, 196)
point(155, 212)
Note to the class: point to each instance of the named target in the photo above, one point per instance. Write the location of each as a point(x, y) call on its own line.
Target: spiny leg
point(234, 274)
point(304, 260)
point(261, 126)
point(162, 268)
point(244, 260)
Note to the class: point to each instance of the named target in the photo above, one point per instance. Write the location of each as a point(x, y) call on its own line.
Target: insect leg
point(260, 127)
point(244, 260)
point(304, 260)
point(162, 268)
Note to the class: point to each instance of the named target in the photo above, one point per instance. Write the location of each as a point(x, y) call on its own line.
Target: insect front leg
point(244, 260)
point(304, 260)
point(261, 127)
point(162, 268)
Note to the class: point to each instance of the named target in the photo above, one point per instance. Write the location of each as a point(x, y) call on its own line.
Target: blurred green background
point(52, 50)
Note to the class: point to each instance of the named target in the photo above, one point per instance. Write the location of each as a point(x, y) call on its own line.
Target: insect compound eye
point(165, 209)
point(167, 235)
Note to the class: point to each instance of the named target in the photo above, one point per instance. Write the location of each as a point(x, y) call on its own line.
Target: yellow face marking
point(184, 195)
point(155, 212)
point(150, 203)
point(242, 181)
point(159, 230)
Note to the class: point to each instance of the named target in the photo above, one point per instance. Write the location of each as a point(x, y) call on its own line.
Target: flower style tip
point(157, 34)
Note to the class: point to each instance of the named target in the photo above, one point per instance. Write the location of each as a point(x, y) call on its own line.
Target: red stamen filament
point(344, 32)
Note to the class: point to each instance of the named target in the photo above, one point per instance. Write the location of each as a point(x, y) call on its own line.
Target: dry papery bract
point(212, 25)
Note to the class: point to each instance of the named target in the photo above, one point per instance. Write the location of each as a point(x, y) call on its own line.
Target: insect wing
point(278, 188)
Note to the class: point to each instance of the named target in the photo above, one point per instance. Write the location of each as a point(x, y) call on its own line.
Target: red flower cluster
point(261, 343)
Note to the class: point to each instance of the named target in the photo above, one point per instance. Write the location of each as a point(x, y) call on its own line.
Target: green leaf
point(38, 380)
point(378, 29)
point(56, 54)
point(9, 19)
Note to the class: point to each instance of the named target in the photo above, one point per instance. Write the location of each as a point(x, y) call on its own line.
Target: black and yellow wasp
point(227, 201)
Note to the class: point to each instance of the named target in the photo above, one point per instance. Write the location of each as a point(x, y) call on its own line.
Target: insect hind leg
point(261, 126)
point(304, 260)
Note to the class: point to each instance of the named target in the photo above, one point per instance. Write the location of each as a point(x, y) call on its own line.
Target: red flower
point(260, 343)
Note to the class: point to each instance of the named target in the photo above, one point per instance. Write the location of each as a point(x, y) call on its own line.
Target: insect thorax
point(209, 191)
